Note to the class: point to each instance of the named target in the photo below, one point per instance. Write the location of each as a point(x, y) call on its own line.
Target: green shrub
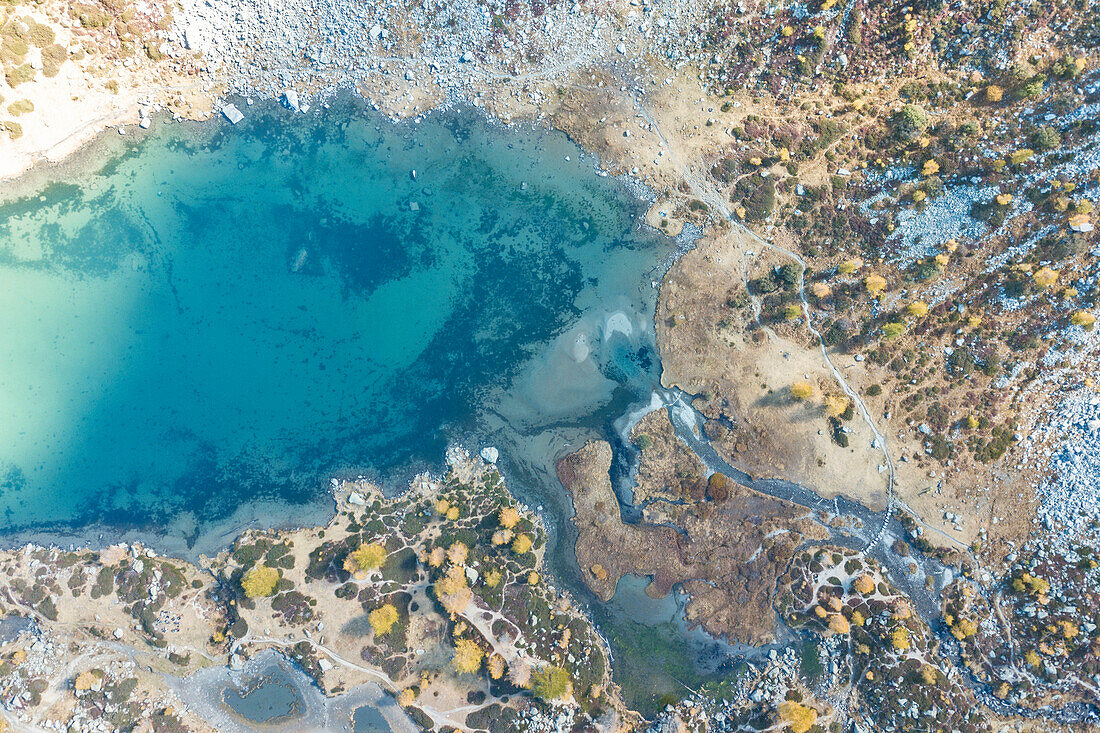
point(1046, 138)
point(909, 122)
point(551, 683)
point(1031, 88)
point(21, 107)
point(761, 202)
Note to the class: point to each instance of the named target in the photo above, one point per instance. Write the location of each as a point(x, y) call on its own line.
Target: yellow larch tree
point(260, 580)
point(453, 591)
point(798, 717)
point(836, 405)
point(1084, 319)
point(468, 655)
point(365, 558)
point(522, 544)
point(496, 666)
point(838, 624)
point(383, 618)
point(509, 517)
point(864, 585)
point(458, 553)
point(802, 390)
point(1044, 277)
point(875, 284)
point(899, 638)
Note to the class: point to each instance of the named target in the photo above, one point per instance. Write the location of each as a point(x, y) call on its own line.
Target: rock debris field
point(268, 46)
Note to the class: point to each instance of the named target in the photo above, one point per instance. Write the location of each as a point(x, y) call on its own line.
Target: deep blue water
point(218, 315)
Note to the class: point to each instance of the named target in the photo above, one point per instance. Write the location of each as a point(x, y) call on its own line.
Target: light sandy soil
point(97, 84)
point(744, 375)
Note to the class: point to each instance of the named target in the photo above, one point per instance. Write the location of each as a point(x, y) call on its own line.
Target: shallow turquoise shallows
point(223, 314)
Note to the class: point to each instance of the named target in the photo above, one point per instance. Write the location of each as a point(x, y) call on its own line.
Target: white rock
point(192, 39)
point(490, 454)
point(232, 113)
point(356, 498)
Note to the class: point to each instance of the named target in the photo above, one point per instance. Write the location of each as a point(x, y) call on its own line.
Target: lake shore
point(144, 619)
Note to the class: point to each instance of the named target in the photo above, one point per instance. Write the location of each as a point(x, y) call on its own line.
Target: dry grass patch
point(41, 35)
point(19, 75)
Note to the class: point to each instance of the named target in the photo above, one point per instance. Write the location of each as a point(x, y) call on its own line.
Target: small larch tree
point(522, 544)
point(509, 517)
point(551, 683)
point(1084, 319)
point(847, 267)
point(467, 658)
point(918, 309)
point(798, 717)
point(383, 618)
point(1044, 277)
point(802, 390)
point(875, 284)
point(365, 558)
point(259, 581)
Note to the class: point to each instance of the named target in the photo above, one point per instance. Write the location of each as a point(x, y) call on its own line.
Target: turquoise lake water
point(219, 315)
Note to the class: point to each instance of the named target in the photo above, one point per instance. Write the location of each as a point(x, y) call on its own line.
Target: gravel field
point(265, 47)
